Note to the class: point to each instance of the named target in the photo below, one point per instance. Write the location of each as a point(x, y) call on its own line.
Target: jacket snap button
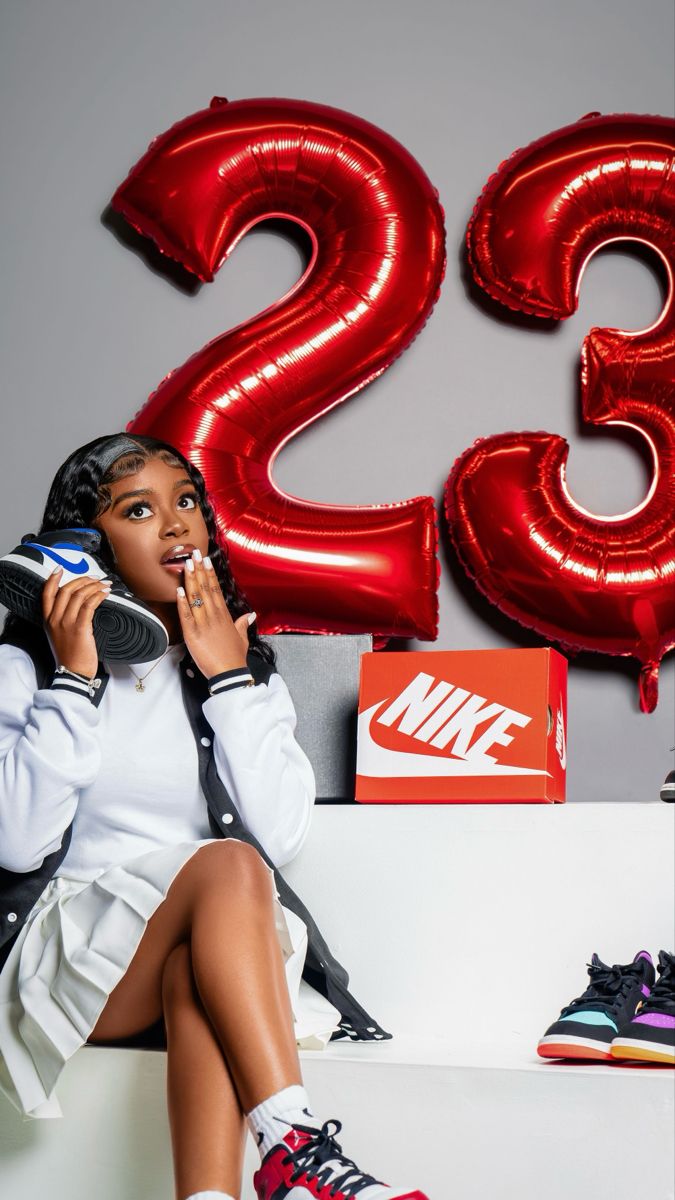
point(190, 672)
point(11, 916)
point(227, 818)
point(206, 741)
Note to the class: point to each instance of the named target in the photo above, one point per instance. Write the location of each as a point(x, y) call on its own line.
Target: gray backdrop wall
point(88, 330)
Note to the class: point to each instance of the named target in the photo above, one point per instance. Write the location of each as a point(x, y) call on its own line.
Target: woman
point(154, 904)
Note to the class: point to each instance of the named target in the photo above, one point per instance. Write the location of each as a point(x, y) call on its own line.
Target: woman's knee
point(235, 866)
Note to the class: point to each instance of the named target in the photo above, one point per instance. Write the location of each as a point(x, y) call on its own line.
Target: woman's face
point(151, 513)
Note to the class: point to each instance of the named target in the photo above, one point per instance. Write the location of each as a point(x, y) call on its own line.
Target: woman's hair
point(80, 492)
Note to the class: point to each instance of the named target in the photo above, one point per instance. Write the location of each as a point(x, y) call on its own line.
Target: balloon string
point(649, 687)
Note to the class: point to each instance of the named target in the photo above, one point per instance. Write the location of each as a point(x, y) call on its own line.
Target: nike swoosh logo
point(380, 763)
point(562, 754)
point(75, 568)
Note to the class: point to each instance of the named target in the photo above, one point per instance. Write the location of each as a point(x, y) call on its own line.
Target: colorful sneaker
point(125, 629)
point(650, 1036)
point(310, 1163)
point(587, 1026)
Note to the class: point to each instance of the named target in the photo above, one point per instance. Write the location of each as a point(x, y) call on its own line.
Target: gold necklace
point(139, 686)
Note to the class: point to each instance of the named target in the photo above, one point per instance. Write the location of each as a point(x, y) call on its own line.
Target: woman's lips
point(176, 568)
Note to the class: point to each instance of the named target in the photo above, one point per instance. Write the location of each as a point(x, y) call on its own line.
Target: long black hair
point(80, 492)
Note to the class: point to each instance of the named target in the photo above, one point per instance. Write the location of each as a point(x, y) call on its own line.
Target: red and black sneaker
point(310, 1163)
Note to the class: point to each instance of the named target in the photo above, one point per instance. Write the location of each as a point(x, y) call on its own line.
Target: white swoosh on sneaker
point(380, 763)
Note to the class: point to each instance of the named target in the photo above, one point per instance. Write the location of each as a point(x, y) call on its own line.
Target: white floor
point(465, 930)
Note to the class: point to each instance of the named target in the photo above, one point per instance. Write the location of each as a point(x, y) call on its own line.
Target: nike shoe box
point(321, 673)
point(462, 727)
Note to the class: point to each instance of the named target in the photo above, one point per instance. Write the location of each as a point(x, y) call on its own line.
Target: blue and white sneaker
point(125, 629)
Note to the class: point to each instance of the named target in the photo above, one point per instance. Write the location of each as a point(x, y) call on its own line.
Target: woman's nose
point(174, 524)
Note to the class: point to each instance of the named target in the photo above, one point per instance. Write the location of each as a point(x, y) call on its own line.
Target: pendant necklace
point(139, 686)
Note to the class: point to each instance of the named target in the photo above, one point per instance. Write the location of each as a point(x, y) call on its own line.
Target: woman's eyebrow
point(147, 491)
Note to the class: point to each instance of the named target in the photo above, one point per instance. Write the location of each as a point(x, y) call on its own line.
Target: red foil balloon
point(587, 581)
point(376, 229)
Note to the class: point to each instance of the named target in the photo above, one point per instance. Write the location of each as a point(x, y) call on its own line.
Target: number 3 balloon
point(376, 229)
point(586, 581)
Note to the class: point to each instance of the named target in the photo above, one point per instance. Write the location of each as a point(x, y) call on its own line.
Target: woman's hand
point(68, 614)
point(215, 641)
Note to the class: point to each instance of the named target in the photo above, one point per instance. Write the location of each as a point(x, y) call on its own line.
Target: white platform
point(493, 910)
point(465, 929)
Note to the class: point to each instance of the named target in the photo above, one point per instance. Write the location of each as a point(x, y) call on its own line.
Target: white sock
point(210, 1196)
point(271, 1119)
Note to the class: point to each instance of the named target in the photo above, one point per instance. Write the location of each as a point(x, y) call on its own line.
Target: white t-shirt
point(125, 771)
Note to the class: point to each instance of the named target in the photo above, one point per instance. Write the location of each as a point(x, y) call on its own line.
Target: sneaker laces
point(608, 987)
point(320, 1158)
point(663, 992)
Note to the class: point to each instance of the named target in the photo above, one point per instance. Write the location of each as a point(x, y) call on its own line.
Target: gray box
point(321, 672)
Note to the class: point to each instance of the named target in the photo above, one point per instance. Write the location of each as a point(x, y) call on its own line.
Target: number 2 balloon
point(377, 262)
point(603, 583)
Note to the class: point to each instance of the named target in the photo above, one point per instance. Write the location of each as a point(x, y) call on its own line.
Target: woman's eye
point(134, 508)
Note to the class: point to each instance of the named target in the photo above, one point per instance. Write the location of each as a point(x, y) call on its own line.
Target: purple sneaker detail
point(645, 990)
point(660, 1020)
point(644, 954)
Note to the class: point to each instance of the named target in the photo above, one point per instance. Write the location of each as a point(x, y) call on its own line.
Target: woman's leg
point(221, 903)
point(208, 1129)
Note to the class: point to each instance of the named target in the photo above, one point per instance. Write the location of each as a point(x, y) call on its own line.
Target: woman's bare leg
point(222, 904)
point(208, 1130)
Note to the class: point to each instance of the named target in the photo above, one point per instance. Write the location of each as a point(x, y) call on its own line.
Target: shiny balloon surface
point(376, 229)
point(584, 580)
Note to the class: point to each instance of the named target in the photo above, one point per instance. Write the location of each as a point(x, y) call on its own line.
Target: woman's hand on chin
point(215, 641)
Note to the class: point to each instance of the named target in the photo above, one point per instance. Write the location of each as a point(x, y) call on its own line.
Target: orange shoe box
point(462, 727)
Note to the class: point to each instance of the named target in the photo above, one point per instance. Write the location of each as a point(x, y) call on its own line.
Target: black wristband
point(226, 681)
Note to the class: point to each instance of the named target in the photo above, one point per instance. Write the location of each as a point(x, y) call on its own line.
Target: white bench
point(465, 930)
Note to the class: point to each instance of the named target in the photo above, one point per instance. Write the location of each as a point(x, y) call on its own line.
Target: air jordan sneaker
point(587, 1026)
point(650, 1035)
point(125, 629)
point(309, 1165)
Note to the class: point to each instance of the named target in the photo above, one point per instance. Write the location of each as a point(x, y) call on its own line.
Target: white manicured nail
point(208, 564)
point(189, 565)
point(251, 618)
point(197, 555)
point(181, 591)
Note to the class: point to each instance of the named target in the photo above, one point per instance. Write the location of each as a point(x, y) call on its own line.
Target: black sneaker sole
point(123, 631)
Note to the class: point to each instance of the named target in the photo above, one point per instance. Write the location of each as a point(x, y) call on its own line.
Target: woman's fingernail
point(251, 618)
point(180, 591)
point(208, 564)
point(189, 565)
point(56, 570)
point(197, 555)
